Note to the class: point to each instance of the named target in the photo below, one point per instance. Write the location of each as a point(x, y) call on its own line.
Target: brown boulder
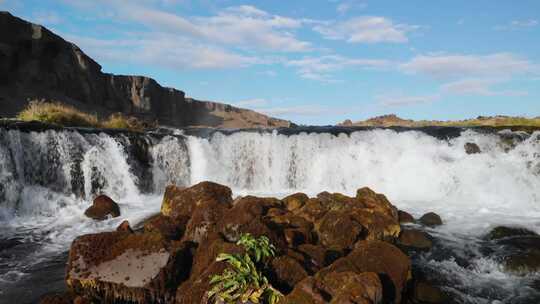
point(102, 207)
point(295, 201)
point(181, 202)
point(286, 273)
point(124, 227)
point(166, 226)
point(390, 263)
point(405, 217)
point(415, 240)
point(337, 231)
point(376, 202)
point(523, 262)
point(121, 266)
point(431, 219)
point(337, 287)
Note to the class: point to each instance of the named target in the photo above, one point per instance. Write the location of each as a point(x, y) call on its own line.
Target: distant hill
point(495, 121)
point(36, 64)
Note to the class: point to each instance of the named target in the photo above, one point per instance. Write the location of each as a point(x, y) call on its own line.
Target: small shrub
point(58, 114)
point(120, 121)
point(243, 281)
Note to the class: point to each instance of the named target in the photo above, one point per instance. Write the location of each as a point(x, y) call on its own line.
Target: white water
point(40, 172)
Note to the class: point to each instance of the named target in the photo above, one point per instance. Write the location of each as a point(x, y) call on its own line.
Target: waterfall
point(48, 179)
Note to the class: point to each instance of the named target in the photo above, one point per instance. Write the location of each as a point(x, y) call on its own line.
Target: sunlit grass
point(68, 116)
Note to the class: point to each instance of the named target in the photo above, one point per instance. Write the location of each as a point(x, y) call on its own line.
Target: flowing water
point(48, 179)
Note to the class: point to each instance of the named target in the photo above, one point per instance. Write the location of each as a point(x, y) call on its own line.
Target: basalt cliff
point(36, 64)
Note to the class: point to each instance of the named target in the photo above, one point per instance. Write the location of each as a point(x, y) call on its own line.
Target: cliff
point(35, 63)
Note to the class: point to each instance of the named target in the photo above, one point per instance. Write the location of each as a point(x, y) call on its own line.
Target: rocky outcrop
point(37, 64)
point(102, 207)
point(331, 248)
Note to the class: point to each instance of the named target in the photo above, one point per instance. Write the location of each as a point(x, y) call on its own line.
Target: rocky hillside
point(38, 64)
point(492, 121)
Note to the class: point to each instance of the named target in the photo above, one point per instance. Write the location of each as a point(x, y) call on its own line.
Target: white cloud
point(517, 24)
point(399, 100)
point(367, 29)
point(241, 26)
point(482, 87)
point(163, 50)
point(321, 68)
point(346, 6)
point(441, 66)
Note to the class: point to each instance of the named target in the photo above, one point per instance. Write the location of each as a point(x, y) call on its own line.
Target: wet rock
point(472, 148)
point(522, 263)
point(295, 201)
point(425, 293)
point(120, 266)
point(124, 227)
point(404, 217)
point(179, 202)
point(102, 207)
point(166, 226)
point(286, 273)
point(431, 219)
point(412, 239)
point(501, 232)
point(337, 287)
point(389, 262)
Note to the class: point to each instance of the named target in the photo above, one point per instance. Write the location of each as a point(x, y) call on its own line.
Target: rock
point(179, 202)
point(523, 262)
point(81, 300)
point(124, 227)
point(295, 201)
point(415, 240)
point(56, 299)
point(404, 217)
point(501, 232)
point(392, 266)
point(337, 231)
point(166, 226)
point(316, 255)
point(120, 266)
point(337, 287)
point(431, 219)
point(102, 207)
point(286, 273)
point(376, 202)
point(425, 293)
point(472, 148)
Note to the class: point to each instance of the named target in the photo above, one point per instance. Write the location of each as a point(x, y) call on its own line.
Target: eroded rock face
point(102, 207)
point(114, 266)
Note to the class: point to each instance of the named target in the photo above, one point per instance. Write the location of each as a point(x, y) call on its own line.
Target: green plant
point(243, 281)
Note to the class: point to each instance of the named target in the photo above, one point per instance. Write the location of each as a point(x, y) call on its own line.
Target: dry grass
point(57, 113)
point(68, 116)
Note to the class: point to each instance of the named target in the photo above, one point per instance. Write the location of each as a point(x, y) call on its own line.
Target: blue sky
point(317, 62)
